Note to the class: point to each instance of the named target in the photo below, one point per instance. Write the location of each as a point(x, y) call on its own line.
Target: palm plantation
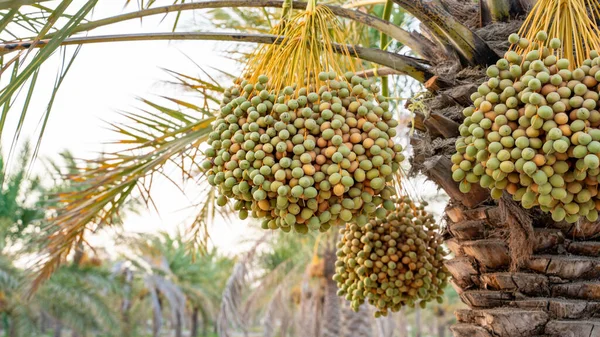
point(519, 272)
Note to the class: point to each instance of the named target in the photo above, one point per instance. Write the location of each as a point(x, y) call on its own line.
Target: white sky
point(106, 78)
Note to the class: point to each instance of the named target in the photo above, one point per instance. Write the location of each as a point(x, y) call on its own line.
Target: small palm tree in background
point(19, 191)
point(166, 278)
point(74, 297)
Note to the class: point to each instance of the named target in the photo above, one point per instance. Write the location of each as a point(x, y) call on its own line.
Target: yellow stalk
point(567, 20)
point(306, 48)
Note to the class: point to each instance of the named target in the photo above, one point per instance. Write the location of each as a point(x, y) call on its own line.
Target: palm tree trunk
point(553, 292)
point(13, 330)
point(5, 323)
point(58, 329)
point(156, 312)
point(441, 330)
point(527, 277)
point(417, 321)
point(194, 329)
point(308, 314)
point(43, 322)
point(402, 326)
point(205, 323)
point(178, 325)
point(331, 308)
point(331, 311)
point(356, 323)
point(126, 302)
point(441, 322)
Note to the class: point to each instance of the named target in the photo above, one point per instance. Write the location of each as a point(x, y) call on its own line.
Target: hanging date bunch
point(392, 262)
point(533, 128)
point(300, 142)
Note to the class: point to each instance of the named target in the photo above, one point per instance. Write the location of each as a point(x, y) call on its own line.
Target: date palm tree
point(75, 296)
point(168, 279)
point(520, 273)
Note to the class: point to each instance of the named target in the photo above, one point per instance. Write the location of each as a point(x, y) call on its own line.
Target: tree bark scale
point(440, 172)
point(440, 125)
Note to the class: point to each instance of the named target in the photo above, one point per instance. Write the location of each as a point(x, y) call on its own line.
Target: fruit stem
point(383, 43)
point(287, 9)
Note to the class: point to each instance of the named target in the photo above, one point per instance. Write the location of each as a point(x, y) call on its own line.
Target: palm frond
point(175, 297)
point(47, 26)
point(231, 300)
point(278, 311)
point(23, 318)
point(23, 75)
point(78, 296)
point(156, 139)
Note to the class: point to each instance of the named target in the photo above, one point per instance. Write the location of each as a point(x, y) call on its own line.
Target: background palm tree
point(550, 290)
point(166, 278)
point(18, 194)
point(75, 296)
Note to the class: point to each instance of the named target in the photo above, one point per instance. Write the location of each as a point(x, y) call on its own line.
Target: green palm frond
point(23, 320)
point(10, 277)
point(229, 313)
point(176, 299)
point(166, 270)
point(79, 297)
point(18, 191)
point(156, 139)
point(47, 26)
point(21, 75)
point(283, 261)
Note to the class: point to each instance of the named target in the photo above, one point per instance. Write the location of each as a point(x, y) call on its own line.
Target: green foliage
point(18, 212)
point(285, 248)
point(164, 268)
point(80, 297)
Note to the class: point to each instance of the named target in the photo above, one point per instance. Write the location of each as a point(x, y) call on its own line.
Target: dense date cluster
point(305, 159)
point(533, 132)
point(393, 261)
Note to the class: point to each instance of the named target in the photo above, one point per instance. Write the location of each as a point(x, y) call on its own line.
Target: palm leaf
point(10, 4)
point(43, 54)
point(231, 299)
point(154, 139)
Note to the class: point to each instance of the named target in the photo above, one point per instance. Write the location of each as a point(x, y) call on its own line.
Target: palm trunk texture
point(356, 323)
point(331, 306)
point(58, 329)
point(518, 279)
point(178, 325)
point(194, 330)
